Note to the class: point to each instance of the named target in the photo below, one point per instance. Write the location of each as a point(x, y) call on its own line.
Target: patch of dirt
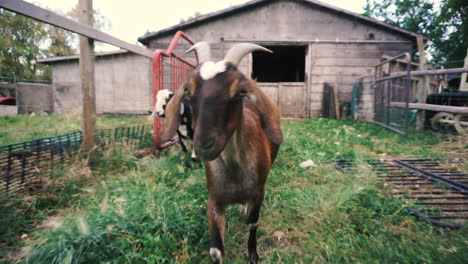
point(280, 239)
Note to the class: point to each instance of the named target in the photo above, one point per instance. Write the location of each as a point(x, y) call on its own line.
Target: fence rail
point(21, 164)
point(44, 15)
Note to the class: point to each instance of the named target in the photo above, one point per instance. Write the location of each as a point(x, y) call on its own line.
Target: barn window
point(285, 64)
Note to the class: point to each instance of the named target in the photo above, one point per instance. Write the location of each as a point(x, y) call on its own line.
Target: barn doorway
point(285, 64)
point(282, 76)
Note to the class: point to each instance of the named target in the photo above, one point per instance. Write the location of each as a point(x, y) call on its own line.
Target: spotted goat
point(185, 129)
point(237, 134)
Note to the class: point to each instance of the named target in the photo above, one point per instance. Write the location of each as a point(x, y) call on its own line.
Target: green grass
point(152, 210)
point(19, 128)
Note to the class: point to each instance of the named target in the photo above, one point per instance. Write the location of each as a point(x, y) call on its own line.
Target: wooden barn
point(312, 43)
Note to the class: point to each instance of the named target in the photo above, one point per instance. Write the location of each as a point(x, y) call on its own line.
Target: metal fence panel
point(390, 89)
point(166, 64)
point(23, 163)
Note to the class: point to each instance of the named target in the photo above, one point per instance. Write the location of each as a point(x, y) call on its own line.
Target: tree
point(413, 15)
point(450, 36)
point(24, 40)
point(20, 42)
point(64, 42)
point(195, 15)
point(60, 42)
point(446, 29)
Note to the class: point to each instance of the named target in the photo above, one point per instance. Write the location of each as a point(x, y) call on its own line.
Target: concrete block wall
point(34, 97)
point(8, 110)
point(123, 84)
point(66, 86)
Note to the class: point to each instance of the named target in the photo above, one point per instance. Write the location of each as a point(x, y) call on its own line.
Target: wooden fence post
point(424, 83)
point(87, 75)
point(464, 78)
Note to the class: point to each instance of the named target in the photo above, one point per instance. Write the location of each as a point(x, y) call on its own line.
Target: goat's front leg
point(253, 213)
point(188, 164)
point(216, 223)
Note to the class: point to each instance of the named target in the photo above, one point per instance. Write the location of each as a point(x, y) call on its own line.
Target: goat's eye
point(190, 87)
point(242, 93)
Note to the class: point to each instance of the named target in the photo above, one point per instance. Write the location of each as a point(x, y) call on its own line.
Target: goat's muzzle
point(207, 149)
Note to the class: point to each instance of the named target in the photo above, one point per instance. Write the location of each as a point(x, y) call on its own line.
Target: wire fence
point(22, 164)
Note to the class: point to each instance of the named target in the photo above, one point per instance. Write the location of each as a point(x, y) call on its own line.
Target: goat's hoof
point(188, 164)
point(216, 256)
point(253, 257)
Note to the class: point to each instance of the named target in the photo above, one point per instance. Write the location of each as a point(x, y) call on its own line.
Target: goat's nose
point(208, 143)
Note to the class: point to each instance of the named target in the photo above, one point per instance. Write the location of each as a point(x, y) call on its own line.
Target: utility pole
point(88, 88)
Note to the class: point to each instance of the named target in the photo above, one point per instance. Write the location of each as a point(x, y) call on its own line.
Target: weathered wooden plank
point(432, 107)
point(367, 46)
point(319, 69)
point(44, 15)
point(424, 84)
point(316, 106)
point(292, 99)
point(335, 61)
point(357, 51)
point(271, 90)
point(336, 101)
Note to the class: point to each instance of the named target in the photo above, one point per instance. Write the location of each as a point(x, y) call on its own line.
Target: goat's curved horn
point(236, 53)
point(203, 51)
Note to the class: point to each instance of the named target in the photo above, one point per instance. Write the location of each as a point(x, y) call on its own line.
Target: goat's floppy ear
point(269, 113)
point(173, 115)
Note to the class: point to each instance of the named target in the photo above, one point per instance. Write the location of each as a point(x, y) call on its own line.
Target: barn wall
point(280, 21)
point(123, 84)
point(66, 84)
point(283, 20)
point(364, 108)
point(342, 65)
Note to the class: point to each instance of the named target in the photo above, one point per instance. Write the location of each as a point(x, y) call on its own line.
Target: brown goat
point(237, 134)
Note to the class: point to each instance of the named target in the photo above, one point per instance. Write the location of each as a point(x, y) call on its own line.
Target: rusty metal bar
point(460, 186)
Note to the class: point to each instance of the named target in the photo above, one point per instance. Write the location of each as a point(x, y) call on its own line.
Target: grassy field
point(152, 210)
point(19, 128)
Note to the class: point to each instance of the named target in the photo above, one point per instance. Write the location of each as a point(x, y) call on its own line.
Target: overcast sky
point(131, 19)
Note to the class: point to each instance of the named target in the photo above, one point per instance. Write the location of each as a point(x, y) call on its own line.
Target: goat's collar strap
point(209, 69)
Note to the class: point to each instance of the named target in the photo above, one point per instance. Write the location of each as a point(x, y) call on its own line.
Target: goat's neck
point(235, 148)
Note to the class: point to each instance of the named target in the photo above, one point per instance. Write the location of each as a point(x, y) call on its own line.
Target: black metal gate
point(392, 95)
point(438, 189)
point(22, 164)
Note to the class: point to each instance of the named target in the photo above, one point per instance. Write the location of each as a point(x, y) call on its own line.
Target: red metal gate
point(178, 69)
